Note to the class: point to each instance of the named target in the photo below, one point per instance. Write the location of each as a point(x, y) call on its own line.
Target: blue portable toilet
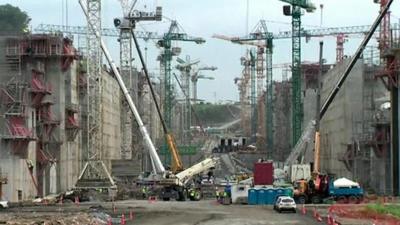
point(228, 190)
point(252, 197)
point(270, 197)
point(279, 192)
point(288, 192)
point(261, 196)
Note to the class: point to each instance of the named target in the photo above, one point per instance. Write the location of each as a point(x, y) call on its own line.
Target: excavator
point(176, 180)
point(320, 185)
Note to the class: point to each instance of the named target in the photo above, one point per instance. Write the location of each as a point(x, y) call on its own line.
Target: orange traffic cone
point(109, 221)
point(304, 210)
point(329, 219)
point(318, 217)
point(123, 221)
point(77, 200)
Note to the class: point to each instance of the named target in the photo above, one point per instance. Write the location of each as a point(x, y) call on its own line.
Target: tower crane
point(264, 43)
point(196, 76)
point(126, 25)
point(177, 163)
point(295, 10)
point(253, 98)
point(341, 34)
point(82, 30)
point(175, 180)
point(94, 172)
point(185, 67)
point(243, 87)
point(174, 34)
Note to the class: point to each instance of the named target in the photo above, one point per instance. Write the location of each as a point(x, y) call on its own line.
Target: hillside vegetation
point(215, 115)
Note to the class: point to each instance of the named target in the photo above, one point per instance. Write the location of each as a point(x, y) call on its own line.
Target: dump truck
point(325, 187)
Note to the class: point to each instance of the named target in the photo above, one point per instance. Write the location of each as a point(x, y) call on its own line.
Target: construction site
point(107, 122)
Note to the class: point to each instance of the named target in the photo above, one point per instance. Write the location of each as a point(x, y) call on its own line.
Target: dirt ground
point(158, 212)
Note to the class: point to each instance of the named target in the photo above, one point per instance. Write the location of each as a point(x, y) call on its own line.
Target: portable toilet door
point(252, 197)
point(279, 192)
point(288, 192)
point(261, 197)
point(270, 197)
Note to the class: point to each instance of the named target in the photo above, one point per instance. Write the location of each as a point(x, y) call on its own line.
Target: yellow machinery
point(177, 165)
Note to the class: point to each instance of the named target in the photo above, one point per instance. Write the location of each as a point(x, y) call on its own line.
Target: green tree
point(12, 19)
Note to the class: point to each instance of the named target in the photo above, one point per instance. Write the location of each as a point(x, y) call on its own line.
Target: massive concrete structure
point(354, 131)
point(43, 110)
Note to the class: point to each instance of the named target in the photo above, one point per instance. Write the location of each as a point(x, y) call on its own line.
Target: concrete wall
point(70, 155)
point(341, 128)
point(13, 166)
point(337, 125)
point(62, 173)
point(111, 113)
point(282, 120)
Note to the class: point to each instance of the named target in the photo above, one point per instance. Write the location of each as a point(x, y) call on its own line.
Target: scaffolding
point(260, 71)
point(244, 90)
point(71, 122)
point(14, 96)
point(26, 98)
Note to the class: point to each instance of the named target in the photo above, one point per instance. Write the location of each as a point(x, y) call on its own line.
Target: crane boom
point(309, 131)
point(81, 30)
point(354, 59)
point(152, 150)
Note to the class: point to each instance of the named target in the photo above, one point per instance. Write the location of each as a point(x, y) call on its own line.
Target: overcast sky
point(204, 18)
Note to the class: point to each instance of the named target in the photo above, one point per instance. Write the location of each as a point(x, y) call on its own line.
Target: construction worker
point(192, 193)
point(144, 192)
point(217, 194)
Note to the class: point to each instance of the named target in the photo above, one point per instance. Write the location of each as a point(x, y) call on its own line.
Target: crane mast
point(295, 11)
point(253, 100)
point(264, 41)
point(153, 152)
point(126, 25)
point(173, 34)
point(94, 169)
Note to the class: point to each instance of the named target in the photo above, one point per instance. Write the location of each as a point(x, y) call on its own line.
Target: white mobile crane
point(173, 181)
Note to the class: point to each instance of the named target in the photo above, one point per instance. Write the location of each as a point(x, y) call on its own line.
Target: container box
point(263, 173)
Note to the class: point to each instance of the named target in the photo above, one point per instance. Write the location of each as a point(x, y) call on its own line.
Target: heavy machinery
point(322, 186)
point(172, 181)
